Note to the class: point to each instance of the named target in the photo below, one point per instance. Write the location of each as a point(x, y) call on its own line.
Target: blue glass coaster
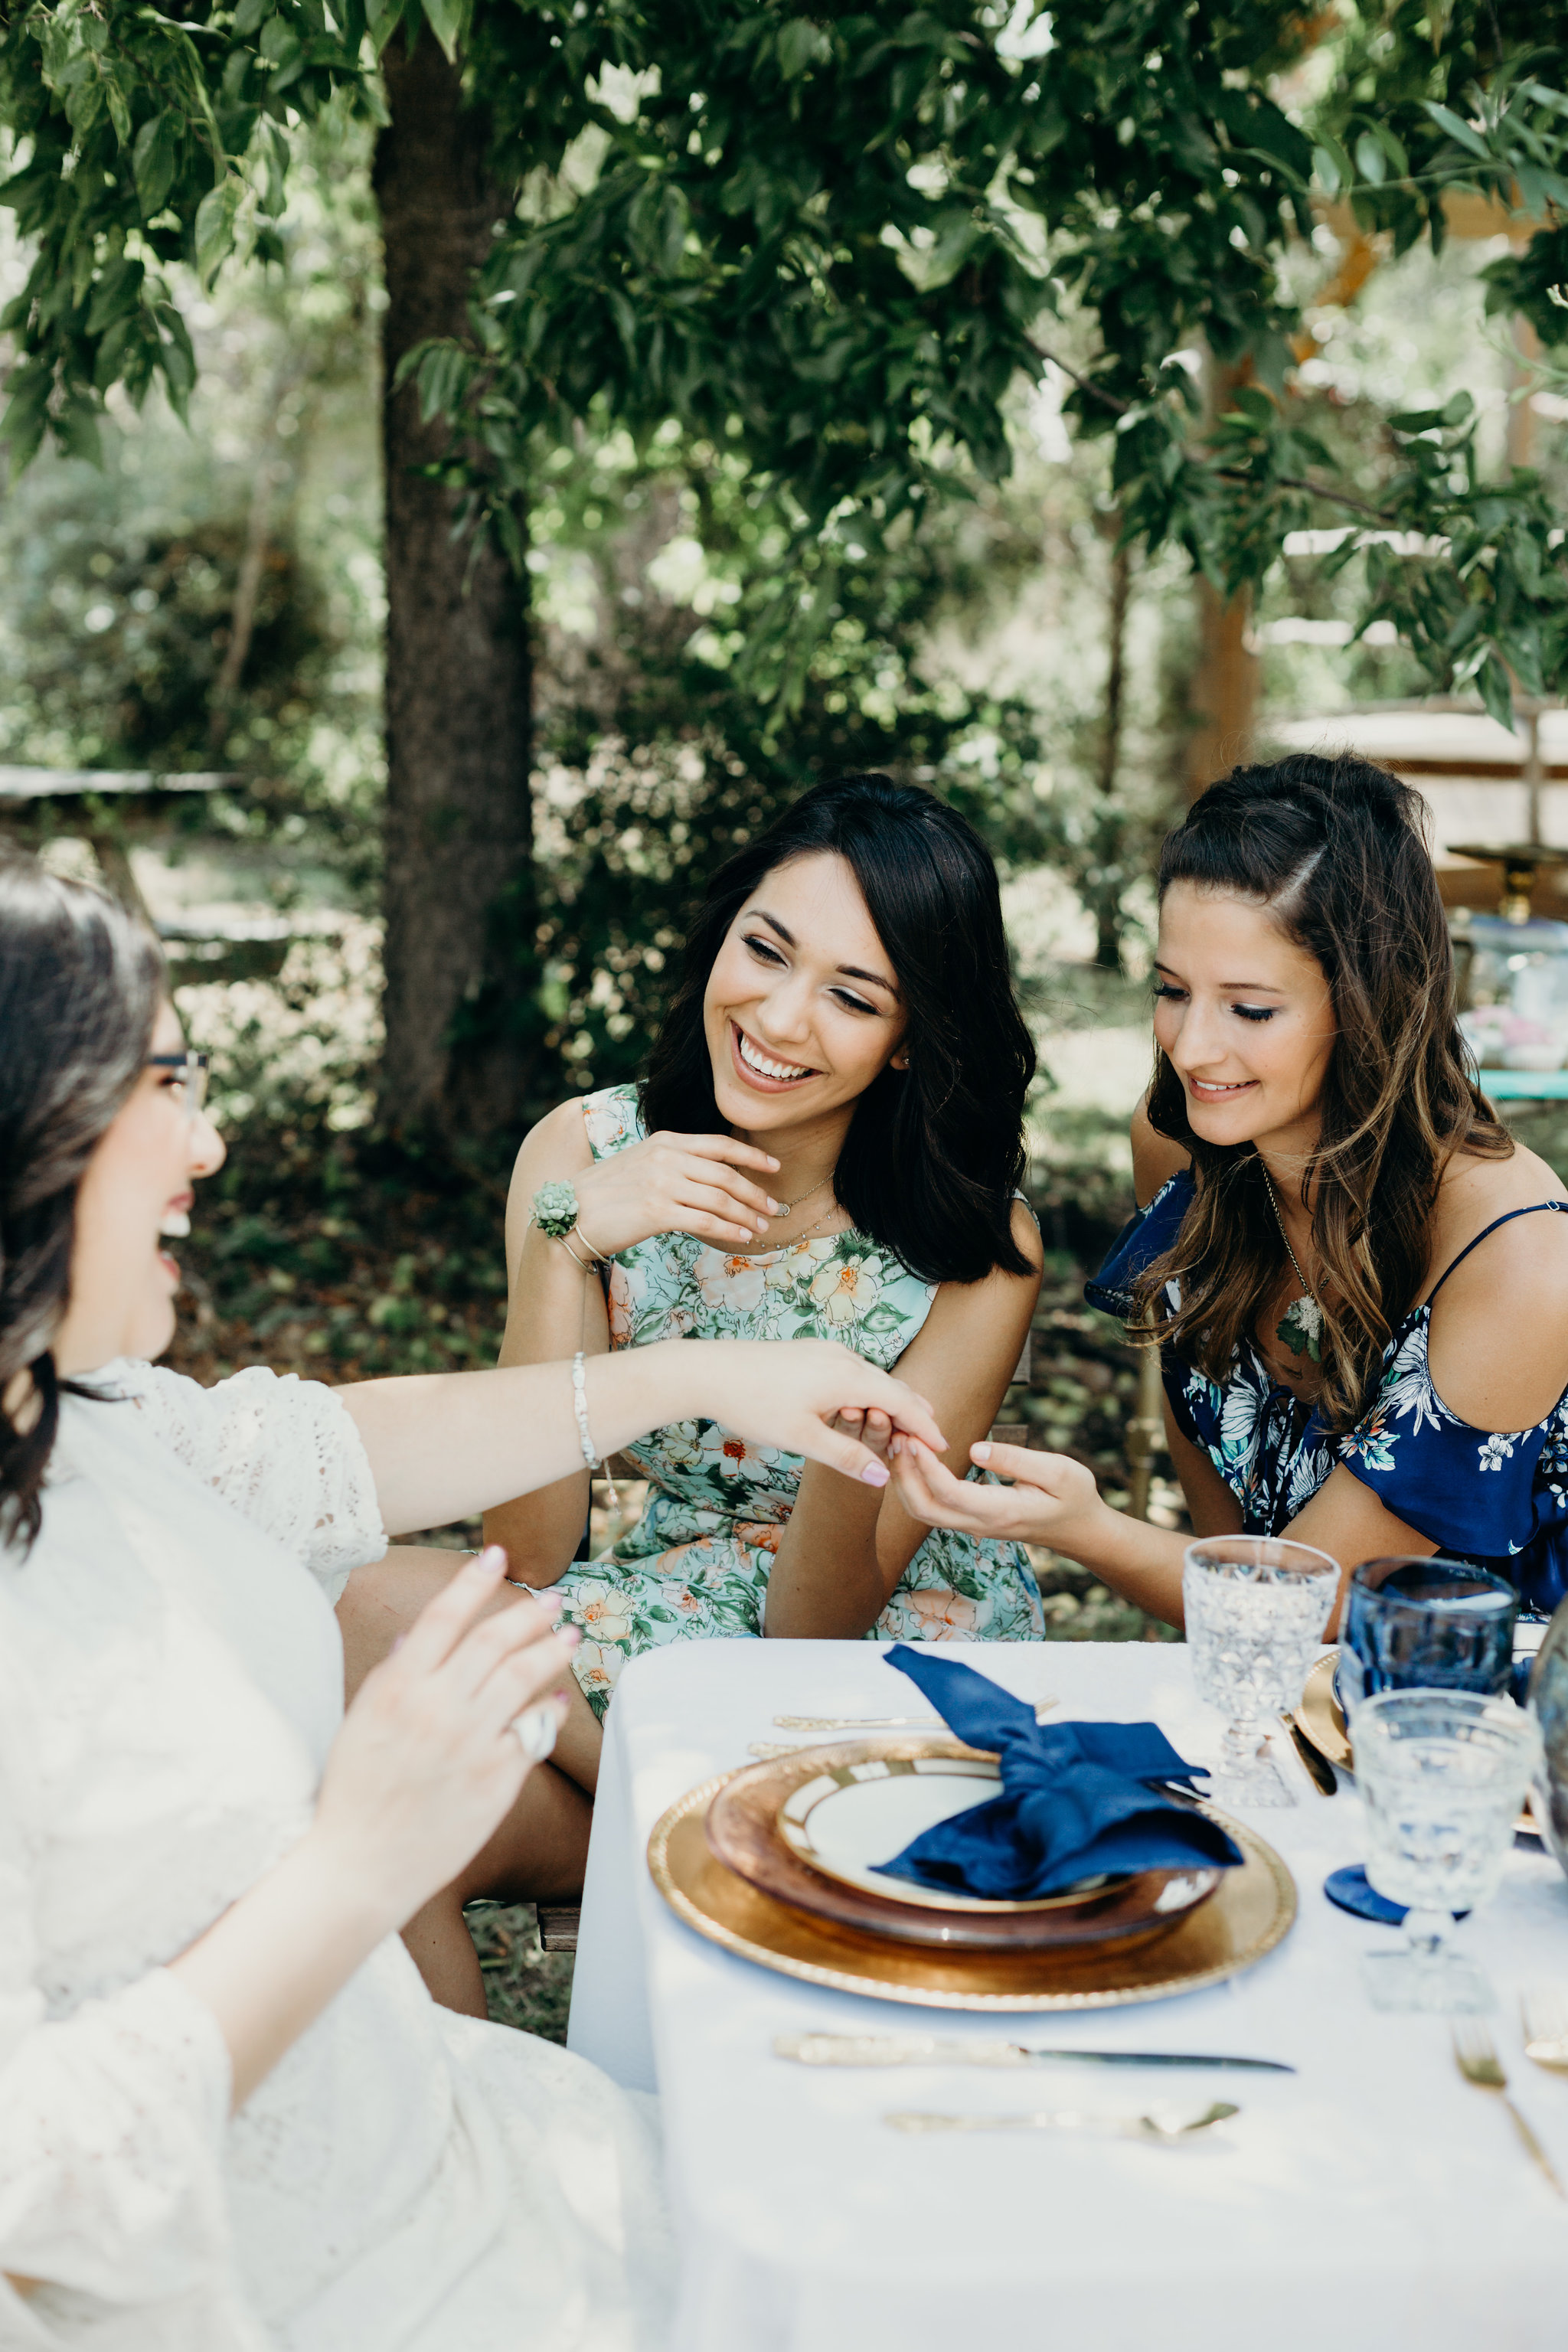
point(1353, 1892)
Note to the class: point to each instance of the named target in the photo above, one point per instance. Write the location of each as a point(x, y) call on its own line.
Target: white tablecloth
point(1372, 2203)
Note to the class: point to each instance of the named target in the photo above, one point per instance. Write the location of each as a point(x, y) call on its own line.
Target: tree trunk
point(459, 705)
point(1108, 915)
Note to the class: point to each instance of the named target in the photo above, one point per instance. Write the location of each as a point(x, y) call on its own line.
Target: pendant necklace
point(1303, 1327)
point(787, 1208)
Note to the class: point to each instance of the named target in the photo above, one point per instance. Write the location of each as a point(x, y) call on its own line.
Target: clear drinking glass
point(1442, 1775)
point(1255, 1609)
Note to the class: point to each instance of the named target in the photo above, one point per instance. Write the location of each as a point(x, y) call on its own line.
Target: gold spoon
point(1072, 2119)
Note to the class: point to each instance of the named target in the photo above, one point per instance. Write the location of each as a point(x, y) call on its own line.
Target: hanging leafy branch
point(831, 243)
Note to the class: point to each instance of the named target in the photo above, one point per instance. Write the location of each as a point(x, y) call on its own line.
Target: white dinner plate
point(854, 1816)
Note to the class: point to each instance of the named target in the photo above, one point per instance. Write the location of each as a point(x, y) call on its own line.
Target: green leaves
point(800, 45)
point(1464, 134)
point(154, 159)
point(830, 245)
point(447, 20)
point(212, 230)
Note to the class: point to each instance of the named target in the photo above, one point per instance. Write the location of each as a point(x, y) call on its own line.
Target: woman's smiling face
point(1244, 1018)
point(802, 1010)
point(135, 1189)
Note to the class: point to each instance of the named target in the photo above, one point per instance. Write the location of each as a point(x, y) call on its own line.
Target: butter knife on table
point(930, 2050)
point(1318, 1770)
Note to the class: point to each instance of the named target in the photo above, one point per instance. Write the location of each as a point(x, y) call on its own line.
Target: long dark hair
point(80, 989)
point(934, 1153)
point(1335, 850)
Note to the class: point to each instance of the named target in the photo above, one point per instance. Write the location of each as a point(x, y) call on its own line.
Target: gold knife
point(930, 2050)
point(883, 1722)
point(1320, 1771)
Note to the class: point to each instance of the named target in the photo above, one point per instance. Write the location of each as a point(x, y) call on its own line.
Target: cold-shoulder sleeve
point(282, 1451)
point(112, 2123)
point(1480, 1494)
point(1145, 1236)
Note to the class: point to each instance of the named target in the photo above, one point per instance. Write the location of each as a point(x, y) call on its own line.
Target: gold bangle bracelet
point(597, 1255)
point(566, 1244)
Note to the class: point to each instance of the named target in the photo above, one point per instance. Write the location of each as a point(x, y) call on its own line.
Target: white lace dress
point(405, 2180)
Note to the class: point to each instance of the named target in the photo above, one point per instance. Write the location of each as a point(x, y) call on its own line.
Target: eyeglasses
point(192, 1069)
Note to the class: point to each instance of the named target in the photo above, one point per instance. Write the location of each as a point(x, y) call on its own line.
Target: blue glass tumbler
point(1425, 1624)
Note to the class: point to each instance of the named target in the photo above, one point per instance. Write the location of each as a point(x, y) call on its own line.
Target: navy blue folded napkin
point(1076, 1799)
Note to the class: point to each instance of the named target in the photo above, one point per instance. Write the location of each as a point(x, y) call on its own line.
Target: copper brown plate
point(741, 1829)
point(1252, 1911)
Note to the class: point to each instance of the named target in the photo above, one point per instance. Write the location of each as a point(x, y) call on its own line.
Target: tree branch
point(1224, 473)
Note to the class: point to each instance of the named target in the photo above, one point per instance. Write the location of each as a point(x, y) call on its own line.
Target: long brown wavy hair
point(1335, 850)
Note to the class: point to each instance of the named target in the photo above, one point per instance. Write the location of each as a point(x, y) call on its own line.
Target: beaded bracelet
point(580, 1406)
point(586, 1435)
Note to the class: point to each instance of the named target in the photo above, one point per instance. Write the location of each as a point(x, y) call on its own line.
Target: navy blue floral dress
point(1499, 1499)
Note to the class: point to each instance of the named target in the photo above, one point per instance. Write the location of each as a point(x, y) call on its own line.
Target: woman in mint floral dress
point(1360, 1283)
point(697, 1561)
point(828, 1145)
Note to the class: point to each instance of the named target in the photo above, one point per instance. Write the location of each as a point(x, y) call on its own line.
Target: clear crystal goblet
point(1256, 1608)
point(1442, 1775)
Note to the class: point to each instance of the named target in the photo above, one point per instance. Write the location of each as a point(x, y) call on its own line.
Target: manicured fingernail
point(491, 1561)
point(875, 1474)
point(552, 1604)
point(569, 1634)
point(981, 1453)
point(761, 1225)
point(772, 1206)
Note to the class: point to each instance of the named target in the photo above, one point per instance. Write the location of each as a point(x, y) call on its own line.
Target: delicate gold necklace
point(1303, 1327)
point(787, 1208)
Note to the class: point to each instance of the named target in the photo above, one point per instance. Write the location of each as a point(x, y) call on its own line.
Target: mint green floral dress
point(697, 1562)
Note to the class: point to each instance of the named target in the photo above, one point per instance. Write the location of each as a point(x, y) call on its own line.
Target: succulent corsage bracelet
point(556, 1214)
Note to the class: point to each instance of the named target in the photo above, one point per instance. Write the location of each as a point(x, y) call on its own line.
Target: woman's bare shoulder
point(1155, 1158)
point(1476, 1191)
point(1499, 1338)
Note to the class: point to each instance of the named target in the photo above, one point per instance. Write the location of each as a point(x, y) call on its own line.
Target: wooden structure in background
point(1225, 679)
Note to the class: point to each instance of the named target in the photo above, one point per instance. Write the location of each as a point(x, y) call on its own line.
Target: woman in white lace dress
point(230, 2116)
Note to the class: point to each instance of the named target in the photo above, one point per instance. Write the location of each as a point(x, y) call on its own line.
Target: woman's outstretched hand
point(427, 1765)
point(675, 1184)
point(1053, 1500)
point(810, 1397)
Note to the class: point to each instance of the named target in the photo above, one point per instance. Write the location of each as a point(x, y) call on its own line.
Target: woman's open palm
point(1051, 1493)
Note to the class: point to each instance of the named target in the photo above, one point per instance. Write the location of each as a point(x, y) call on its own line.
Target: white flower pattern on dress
point(697, 1563)
point(1410, 1449)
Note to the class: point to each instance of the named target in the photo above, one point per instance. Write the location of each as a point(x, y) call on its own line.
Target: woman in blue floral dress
point(828, 1144)
point(1359, 1284)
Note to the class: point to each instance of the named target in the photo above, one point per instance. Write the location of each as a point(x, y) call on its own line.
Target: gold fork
point(1479, 2064)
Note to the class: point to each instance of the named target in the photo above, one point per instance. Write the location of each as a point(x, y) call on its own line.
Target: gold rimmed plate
point(850, 1815)
point(1250, 1912)
point(766, 1824)
point(1321, 1719)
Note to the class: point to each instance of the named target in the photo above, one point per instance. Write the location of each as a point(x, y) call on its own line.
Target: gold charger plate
point(1251, 1913)
point(1321, 1719)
